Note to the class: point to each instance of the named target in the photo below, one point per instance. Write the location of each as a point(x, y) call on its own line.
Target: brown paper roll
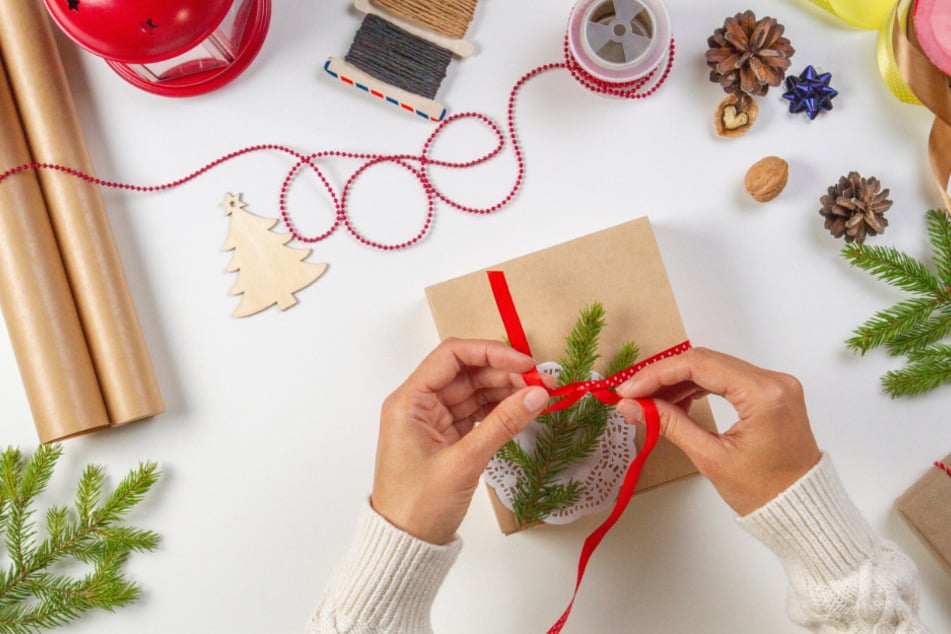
point(37, 304)
point(82, 228)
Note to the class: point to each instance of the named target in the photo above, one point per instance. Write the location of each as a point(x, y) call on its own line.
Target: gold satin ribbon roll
point(891, 31)
point(939, 150)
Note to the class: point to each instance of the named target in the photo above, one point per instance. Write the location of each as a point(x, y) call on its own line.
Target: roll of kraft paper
point(78, 214)
point(37, 303)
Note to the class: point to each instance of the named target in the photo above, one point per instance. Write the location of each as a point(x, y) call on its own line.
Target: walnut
point(735, 115)
point(767, 178)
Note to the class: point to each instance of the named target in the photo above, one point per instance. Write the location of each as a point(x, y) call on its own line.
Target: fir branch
point(32, 598)
point(890, 323)
point(926, 369)
point(939, 231)
point(581, 347)
point(892, 266)
point(924, 334)
point(912, 327)
point(567, 436)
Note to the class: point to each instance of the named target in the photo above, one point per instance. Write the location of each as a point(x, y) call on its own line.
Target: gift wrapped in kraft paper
point(926, 506)
point(619, 267)
point(80, 223)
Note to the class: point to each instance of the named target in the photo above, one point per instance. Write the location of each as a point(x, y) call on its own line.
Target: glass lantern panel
point(233, 27)
point(217, 51)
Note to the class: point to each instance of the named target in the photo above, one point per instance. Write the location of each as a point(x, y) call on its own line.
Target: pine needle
point(913, 327)
point(33, 597)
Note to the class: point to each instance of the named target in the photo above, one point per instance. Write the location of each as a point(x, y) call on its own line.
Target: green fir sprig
point(916, 326)
point(567, 436)
point(35, 594)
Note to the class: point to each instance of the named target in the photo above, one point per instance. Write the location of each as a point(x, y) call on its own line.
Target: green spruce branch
point(34, 596)
point(567, 436)
point(913, 327)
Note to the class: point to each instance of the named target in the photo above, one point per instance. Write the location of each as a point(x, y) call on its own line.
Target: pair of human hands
point(432, 452)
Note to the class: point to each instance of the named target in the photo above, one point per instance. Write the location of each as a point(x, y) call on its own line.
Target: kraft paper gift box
point(926, 506)
point(620, 267)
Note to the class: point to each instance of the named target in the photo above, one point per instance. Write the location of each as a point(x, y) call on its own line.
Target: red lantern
point(176, 48)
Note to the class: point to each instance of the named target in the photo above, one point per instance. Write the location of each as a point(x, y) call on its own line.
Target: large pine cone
point(748, 56)
point(855, 207)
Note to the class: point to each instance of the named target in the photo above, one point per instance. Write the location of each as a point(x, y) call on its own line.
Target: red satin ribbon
point(604, 391)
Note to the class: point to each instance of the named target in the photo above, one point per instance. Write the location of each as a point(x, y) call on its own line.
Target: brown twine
point(451, 18)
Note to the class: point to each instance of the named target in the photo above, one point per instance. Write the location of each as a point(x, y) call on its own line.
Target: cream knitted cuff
point(814, 527)
point(387, 583)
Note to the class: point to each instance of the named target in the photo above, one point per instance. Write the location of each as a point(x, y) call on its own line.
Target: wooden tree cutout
point(268, 271)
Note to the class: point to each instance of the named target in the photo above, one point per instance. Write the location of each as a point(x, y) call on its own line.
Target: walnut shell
point(734, 117)
point(766, 178)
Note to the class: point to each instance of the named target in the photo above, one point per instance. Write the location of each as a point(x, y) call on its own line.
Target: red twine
point(417, 165)
point(943, 467)
point(604, 391)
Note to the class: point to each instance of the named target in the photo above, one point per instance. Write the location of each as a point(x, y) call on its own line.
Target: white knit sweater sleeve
point(842, 577)
point(386, 584)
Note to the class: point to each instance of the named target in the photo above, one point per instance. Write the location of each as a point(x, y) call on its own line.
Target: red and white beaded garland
point(418, 165)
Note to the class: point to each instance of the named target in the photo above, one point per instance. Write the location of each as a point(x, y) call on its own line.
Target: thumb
point(502, 424)
point(676, 426)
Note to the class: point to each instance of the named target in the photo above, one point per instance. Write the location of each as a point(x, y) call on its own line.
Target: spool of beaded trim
point(620, 41)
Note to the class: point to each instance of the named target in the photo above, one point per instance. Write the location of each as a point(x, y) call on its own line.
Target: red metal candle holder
point(174, 48)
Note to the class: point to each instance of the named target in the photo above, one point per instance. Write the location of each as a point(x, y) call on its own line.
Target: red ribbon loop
point(604, 391)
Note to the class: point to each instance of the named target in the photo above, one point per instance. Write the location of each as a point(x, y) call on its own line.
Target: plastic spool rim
point(584, 13)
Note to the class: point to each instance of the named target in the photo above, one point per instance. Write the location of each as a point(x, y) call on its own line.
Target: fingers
point(702, 447)
point(712, 371)
point(453, 356)
point(502, 424)
point(479, 403)
point(473, 381)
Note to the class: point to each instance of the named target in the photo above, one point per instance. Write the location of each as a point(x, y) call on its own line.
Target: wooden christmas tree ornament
point(269, 272)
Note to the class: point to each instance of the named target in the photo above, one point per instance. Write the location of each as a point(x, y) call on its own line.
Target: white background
point(267, 445)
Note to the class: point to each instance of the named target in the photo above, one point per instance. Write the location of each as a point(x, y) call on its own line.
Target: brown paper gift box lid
point(926, 506)
point(620, 267)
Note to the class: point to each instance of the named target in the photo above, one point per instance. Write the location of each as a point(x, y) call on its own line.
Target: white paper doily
point(601, 474)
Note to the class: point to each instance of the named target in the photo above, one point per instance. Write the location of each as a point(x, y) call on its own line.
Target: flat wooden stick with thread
point(399, 58)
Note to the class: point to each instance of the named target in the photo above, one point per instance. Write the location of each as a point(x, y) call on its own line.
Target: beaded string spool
point(620, 42)
point(419, 165)
point(402, 51)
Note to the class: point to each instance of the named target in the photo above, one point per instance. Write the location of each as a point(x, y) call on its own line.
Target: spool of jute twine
point(449, 18)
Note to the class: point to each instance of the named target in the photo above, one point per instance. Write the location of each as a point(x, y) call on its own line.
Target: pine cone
point(748, 56)
point(855, 207)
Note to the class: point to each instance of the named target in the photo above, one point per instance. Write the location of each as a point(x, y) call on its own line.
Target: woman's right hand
point(766, 450)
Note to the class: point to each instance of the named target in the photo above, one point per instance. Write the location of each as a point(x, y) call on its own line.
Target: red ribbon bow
point(604, 391)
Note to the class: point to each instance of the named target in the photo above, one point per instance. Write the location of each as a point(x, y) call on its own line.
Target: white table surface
point(267, 445)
